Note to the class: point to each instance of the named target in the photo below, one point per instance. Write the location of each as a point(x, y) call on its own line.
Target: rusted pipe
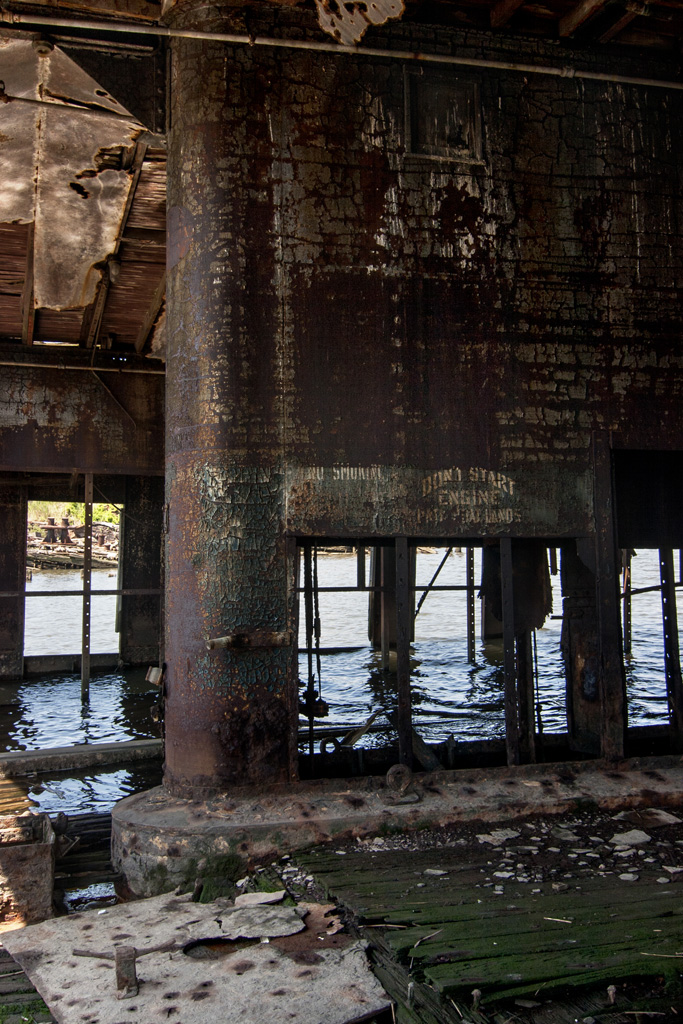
point(242, 39)
point(85, 369)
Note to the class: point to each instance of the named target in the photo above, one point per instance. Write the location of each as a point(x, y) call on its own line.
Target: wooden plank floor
point(454, 932)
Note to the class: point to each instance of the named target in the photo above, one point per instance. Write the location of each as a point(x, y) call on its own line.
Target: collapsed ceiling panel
point(66, 146)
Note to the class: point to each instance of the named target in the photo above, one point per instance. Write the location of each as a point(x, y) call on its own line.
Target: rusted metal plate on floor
point(255, 981)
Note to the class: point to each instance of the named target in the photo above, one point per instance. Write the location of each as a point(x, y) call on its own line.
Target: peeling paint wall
point(368, 341)
point(66, 421)
point(439, 316)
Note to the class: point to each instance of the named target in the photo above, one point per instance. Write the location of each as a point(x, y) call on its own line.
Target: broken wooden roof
point(82, 204)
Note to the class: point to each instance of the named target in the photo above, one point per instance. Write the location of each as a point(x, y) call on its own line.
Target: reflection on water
point(98, 791)
point(450, 695)
point(48, 712)
point(54, 624)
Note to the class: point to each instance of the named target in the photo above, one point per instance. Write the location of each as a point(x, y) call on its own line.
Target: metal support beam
point(525, 696)
point(672, 657)
point(360, 567)
point(626, 601)
point(387, 600)
point(140, 566)
point(471, 598)
point(612, 683)
point(87, 588)
point(404, 617)
point(509, 654)
point(13, 507)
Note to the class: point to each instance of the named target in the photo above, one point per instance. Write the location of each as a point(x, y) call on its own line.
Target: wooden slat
point(578, 15)
point(461, 935)
point(151, 315)
point(621, 23)
point(92, 329)
point(503, 11)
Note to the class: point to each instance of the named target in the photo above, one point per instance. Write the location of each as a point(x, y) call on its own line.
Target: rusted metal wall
point(450, 333)
point(13, 507)
point(365, 341)
point(230, 713)
point(140, 567)
point(65, 421)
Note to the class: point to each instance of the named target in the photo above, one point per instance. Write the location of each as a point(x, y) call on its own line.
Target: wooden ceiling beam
point(503, 11)
point(91, 327)
point(28, 308)
point(632, 12)
point(151, 315)
point(578, 15)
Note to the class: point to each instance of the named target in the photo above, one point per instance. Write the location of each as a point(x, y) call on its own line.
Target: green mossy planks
point(505, 944)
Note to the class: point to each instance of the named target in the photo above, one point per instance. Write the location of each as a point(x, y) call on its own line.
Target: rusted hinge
point(248, 641)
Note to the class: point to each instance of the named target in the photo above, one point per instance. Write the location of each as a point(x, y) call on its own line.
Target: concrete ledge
point(157, 839)
point(57, 759)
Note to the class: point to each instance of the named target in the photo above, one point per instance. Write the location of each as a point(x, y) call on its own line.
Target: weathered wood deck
point(440, 927)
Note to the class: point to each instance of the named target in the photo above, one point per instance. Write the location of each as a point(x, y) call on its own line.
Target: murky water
point(450, 695)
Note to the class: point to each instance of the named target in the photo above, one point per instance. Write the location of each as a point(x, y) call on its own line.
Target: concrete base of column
point(158, 840)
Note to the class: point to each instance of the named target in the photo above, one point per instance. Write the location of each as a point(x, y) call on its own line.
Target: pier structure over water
point(425, 290)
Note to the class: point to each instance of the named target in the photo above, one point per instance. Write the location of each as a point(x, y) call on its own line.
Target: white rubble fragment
point(636, 837)
point(255, 899)
point(498, 836)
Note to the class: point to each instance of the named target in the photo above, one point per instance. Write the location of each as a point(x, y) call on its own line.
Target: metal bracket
point(251, 640)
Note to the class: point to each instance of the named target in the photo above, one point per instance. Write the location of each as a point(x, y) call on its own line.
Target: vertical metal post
point(672, 657)
point(360, 567)
point(308, 605)
point(469, 568)
point(387, 557)
point(509, 658)
point(87, 587)
point(626, 601)
point(612, 681)
point(526, 696)
point(403, 630)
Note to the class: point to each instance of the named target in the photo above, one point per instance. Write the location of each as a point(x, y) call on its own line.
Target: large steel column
point(140, 568)
point(231, 711)
point(12, 578)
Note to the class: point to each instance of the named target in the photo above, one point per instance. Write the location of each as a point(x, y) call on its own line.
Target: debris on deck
point(554, 921)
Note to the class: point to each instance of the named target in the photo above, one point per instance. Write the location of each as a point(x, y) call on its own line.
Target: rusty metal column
point(140, 568)
point(13, 508)
point(509, 653)
point(404, 617)
point(87, 587)
point(231, 708)
point(672, 655)
point(612, 681)
point(471, 594)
